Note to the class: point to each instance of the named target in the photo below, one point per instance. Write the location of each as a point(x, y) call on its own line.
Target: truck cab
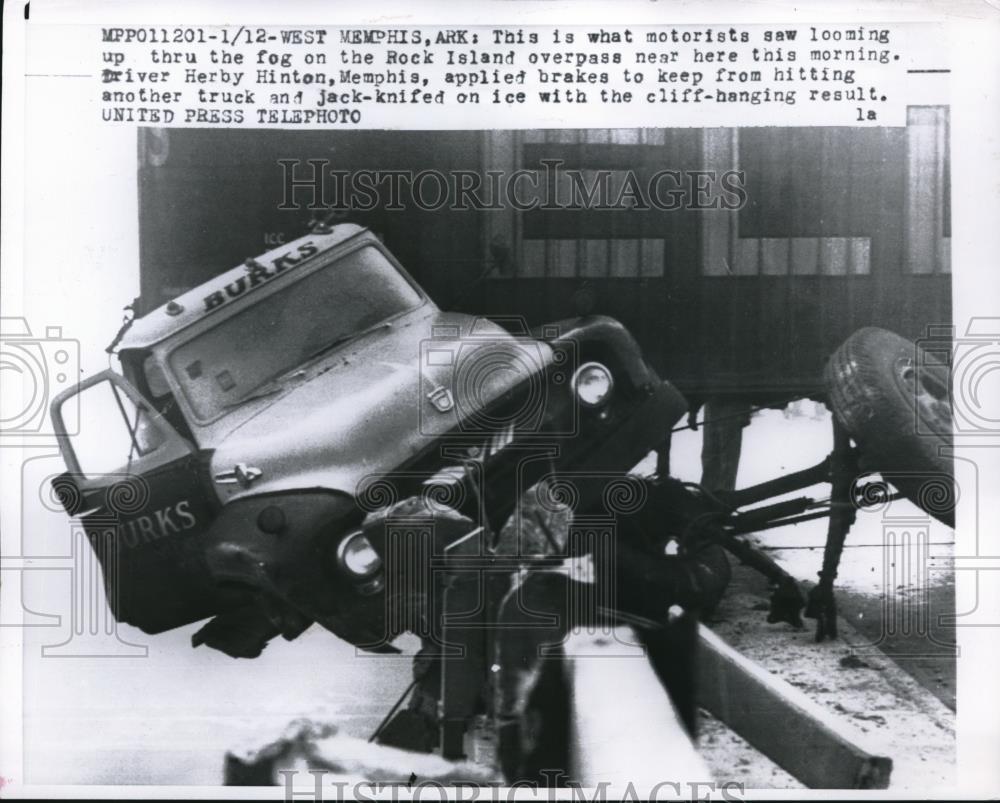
point(261, 422)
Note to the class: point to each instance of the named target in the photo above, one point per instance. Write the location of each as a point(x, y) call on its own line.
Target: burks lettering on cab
point(158, 524)
point(257, 273)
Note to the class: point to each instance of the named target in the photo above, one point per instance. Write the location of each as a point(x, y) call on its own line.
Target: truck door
point(136, 486)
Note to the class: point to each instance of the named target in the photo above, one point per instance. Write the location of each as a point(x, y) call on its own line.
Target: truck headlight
point(592, 383)
point(357, 555)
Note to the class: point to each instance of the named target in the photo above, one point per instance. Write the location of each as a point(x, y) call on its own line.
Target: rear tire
point(894, 401)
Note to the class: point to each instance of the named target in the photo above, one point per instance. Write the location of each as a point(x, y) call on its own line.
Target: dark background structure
point(843, 227)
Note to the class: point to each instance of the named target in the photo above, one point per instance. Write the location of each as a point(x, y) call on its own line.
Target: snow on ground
point(168, 718)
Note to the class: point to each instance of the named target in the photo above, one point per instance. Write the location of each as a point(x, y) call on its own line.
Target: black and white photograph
point(484, 407)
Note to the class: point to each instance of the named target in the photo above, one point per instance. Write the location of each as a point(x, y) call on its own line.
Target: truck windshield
point(245, 356)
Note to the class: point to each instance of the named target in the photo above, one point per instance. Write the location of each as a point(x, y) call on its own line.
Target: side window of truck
point(114, 430)
point(152, 383)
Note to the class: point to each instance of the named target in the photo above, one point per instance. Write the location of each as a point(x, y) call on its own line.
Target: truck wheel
point(893, 399)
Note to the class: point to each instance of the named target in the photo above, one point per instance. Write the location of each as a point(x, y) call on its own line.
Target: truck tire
point(894, 401)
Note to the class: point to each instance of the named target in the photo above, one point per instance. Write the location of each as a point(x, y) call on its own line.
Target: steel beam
point(783, 723)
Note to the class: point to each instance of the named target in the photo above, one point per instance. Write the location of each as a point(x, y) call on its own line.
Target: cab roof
point(190, 306)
